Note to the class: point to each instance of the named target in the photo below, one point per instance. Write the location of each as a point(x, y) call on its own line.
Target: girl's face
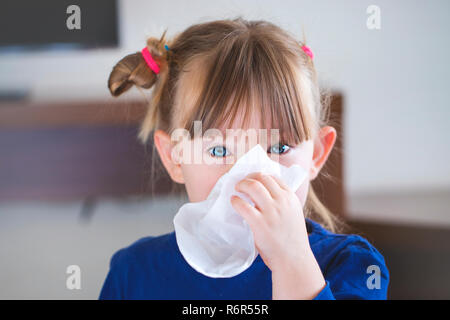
point(200, 176)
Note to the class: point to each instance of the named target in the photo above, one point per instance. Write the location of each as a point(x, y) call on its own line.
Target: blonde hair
point(254, 64)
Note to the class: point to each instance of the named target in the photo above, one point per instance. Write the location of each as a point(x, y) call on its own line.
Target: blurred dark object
point(32, 25)
point(417, 257)
point(13, 95)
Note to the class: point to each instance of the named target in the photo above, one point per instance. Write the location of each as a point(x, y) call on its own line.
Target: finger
point(275, 190)
point(257, 192)
point(281, 183)
point(248, 212)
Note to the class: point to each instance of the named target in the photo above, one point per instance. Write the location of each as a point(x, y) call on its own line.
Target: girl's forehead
point(253, 121)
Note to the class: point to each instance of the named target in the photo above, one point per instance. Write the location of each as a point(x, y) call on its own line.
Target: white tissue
point(213, 238)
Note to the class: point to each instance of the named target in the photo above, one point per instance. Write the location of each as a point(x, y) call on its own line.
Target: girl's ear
point(322, 149)
point(164, 146)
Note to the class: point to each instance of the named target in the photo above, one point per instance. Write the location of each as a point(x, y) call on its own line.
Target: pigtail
point(133, 70)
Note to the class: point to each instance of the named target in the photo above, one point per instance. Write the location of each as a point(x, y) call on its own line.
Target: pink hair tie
point(308, 51)
point(150, 62)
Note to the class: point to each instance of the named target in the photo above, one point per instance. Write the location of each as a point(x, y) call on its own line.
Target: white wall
point(394, 79)
point(40, 240)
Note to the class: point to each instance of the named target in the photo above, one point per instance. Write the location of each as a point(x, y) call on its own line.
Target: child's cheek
point(200, 180)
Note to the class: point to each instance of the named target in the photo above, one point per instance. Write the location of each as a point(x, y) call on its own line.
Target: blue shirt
point(154, 268)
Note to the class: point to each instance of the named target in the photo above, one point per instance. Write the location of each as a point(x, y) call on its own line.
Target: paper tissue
point(212, 237)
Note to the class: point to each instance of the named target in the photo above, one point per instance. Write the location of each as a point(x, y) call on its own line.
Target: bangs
point(248, 77)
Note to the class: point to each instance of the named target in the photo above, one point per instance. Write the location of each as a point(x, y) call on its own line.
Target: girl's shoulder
point(321, 237)
point(351, 264)
point(335, 249)
point(145, 250)
point(129, 275)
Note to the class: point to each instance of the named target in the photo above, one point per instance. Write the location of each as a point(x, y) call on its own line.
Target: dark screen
point(42, 24)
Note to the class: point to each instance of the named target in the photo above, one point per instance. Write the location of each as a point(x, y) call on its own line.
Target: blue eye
point(218, 151)
point(279, 148)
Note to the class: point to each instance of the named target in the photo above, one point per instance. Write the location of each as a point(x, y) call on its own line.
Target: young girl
point(232, 74)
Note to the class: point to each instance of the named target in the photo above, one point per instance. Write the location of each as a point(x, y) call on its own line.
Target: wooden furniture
point(331, 191)
point(417, 257)
point(69, 151)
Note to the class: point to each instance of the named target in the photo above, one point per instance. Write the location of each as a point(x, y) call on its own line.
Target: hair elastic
point(308, 51)
point(150, 61)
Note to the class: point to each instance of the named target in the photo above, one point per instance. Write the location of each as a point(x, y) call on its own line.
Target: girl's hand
point(277, 219)
point(280, 234)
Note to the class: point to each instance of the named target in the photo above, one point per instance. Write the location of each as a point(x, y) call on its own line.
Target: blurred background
point(75, 184)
